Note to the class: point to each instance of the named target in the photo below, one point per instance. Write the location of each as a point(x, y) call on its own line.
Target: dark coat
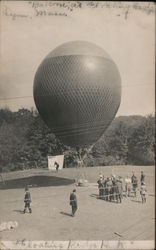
point(27, 197)
point(100, 183)
point(73, 200)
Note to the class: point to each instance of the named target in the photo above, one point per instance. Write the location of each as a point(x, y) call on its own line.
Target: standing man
point(100, 186)
point(128, 186)
point(119, 189)
point(142, 178)
point(27, 200)
point(134, 183)
point(143, 192)
point(56, 166)
point(73, 202)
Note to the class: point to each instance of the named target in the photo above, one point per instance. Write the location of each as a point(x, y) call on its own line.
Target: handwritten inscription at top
point(65, 8)
point(69, 6)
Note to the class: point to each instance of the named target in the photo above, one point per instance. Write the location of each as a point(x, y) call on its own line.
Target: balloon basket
point(82, 183)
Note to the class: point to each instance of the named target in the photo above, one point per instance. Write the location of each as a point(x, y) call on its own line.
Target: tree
point(26, 141)
point(141, 143)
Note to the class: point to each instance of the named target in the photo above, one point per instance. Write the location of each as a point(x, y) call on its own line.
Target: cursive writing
point(65, 8)
point(70, 6)
point(49, 13)
point(26, 244)
point(13, 15)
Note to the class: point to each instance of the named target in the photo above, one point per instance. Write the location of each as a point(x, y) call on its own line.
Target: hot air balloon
point(77, 91)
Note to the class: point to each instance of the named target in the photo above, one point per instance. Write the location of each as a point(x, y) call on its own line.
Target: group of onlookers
point(110, 188)
point(114, 187)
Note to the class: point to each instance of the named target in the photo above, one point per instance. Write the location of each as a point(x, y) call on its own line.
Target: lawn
point(95, 219)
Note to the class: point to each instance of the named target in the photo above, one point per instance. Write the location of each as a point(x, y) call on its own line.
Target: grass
point(95, 219)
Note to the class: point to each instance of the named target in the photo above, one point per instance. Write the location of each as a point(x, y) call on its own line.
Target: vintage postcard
point(77, 122)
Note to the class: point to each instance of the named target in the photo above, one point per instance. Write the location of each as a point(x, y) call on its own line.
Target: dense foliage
point(25, 142)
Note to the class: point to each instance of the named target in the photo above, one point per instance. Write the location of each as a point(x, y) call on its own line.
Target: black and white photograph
point(77, 125)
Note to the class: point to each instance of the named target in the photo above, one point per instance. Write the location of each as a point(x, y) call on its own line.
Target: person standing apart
point(56, 166)
point(142, 178)
point(27, 200)
point(73, 202)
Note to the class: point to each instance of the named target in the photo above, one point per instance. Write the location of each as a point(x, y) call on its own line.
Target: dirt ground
point(95, 219)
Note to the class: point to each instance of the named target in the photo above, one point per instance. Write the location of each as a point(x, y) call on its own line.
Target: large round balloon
point(77, 91)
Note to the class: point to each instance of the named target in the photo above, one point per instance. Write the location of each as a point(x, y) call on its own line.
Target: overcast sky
point(127, 34)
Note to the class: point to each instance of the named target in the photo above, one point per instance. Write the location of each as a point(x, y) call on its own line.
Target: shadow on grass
point(104, 199)
point(64, 213)
point(35, 181)
point(94, 195)
point(18, 211)
point(136, 201)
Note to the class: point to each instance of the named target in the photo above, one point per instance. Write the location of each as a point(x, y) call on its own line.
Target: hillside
point(25, 142)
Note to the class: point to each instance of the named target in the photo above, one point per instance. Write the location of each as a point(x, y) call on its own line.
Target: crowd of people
point(113, 188)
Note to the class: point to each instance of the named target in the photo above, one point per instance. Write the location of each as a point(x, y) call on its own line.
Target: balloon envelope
point(77, 91)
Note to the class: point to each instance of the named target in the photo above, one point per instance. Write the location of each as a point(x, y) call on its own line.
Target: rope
point(30, 96)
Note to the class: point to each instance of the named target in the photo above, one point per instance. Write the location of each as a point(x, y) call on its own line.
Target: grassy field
point(95, 219)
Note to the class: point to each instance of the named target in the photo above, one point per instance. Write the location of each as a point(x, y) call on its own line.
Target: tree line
point(25, 142)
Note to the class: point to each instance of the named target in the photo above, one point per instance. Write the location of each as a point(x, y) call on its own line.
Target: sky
point(30, 30)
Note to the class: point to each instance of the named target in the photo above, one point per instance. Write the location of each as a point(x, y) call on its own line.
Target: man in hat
point(27, 200)
point(73, 202)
